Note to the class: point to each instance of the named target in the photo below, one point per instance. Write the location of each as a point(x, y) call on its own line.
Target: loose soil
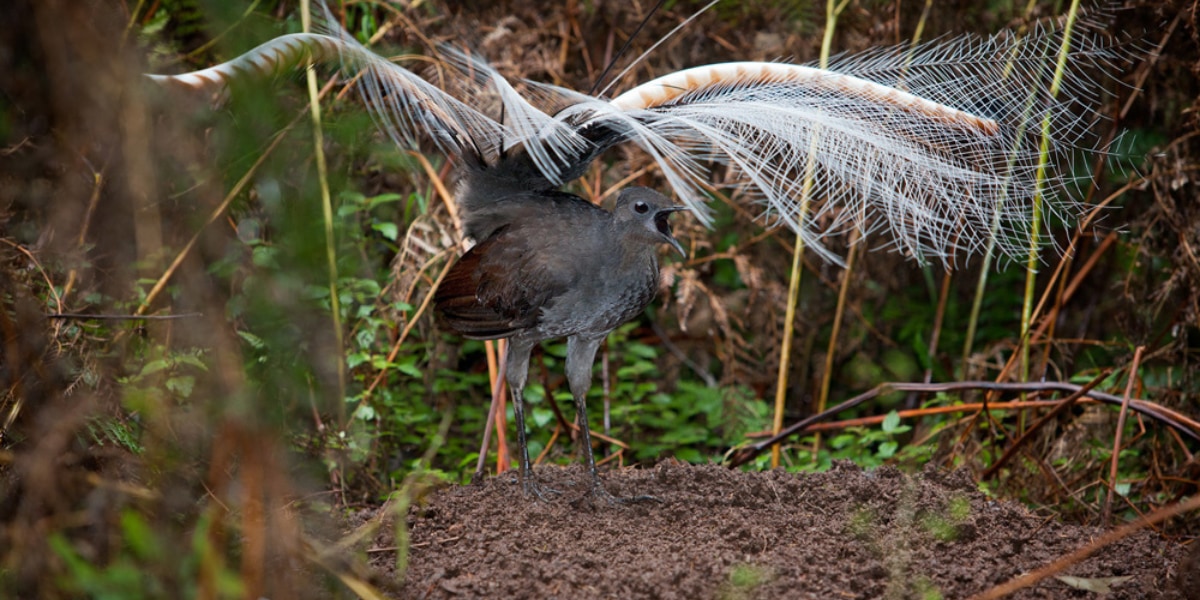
point(846, 533)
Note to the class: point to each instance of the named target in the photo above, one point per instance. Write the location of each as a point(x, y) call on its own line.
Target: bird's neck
point(639, 249)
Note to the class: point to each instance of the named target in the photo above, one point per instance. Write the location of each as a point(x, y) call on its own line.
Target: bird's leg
point(516, 372)
point(581, 354)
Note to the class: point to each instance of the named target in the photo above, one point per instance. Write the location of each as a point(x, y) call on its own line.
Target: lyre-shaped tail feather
point(267, 59)
point(937, 146)
point(677, 87)
point(419, 109)
point(408, 108)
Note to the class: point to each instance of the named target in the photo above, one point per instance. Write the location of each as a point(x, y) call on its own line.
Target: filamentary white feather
point(936, 148)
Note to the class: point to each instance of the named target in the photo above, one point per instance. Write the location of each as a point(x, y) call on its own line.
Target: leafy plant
point(143, 567)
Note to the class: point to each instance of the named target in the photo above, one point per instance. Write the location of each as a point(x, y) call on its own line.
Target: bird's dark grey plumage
point(550, 265)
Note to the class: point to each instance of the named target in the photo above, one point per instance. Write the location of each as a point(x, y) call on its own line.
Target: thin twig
point(81, 240)
point(918, 413)
point(1031, 266)
point(831, 350)
point(939, 320)
point(679, 354)
point(494, 377)
point(335, 310)
point(550, 444)
point(832, 10)
point(1063, 405)
point(624, 48)
point(1077, 279)
point(1185, 425)
point(412, 321)
point(495, 418)
point(241, 184)
point(38, 265)
point(1083, 553)
point(86, 316)
point(1131, 379)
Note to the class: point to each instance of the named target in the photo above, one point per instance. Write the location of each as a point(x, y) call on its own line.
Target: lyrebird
point(938, 146)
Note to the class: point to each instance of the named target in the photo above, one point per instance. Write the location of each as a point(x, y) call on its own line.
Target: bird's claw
point(598, 492)
point(536, 490)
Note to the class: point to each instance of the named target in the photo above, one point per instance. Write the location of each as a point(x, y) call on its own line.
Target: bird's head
point(644, 213)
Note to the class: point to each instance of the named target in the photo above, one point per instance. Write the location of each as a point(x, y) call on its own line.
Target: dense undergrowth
point(188, 452)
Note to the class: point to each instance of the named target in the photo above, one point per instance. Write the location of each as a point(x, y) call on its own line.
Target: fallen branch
point(1083, 553)
point(917, 413)
point(1062, 405)
point(1181, 423)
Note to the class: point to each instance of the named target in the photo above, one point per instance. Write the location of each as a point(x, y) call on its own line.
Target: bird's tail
point(408, 108)
point(945, 147)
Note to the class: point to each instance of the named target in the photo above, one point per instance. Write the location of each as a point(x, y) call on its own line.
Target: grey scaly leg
point(581, 354)
point(517, 372)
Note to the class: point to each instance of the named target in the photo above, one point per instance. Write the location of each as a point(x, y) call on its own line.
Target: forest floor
point(717, 533)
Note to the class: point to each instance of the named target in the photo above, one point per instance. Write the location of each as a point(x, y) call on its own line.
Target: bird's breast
point(633, 289)
point(602, 301)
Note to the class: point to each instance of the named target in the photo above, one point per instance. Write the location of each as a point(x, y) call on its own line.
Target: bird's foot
point(534, 489)
point(598, 493)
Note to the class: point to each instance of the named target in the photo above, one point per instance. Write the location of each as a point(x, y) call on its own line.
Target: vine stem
point(848, 274)
point(832, 10)
point(327, 213)
point(1039, 187)
point(1130, 382)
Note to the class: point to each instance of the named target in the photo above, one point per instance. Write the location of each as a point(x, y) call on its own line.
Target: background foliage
point(144, 457)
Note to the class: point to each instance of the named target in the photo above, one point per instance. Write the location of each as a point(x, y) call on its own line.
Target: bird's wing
point(461, 307)
point(502, 285)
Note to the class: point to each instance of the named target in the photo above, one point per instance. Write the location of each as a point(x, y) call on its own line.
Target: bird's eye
point(640, 207)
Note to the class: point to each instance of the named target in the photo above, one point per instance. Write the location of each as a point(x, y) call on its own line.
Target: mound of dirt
point(846, 533)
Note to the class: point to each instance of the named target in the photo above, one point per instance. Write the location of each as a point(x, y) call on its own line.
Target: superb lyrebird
point(939, 147)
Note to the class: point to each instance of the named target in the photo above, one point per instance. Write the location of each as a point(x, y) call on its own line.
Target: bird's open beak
point(660, 222)
point(678, 247)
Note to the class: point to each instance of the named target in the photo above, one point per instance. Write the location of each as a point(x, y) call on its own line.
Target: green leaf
point(365, 337)
point(155, 366)
point(182, 385)
point(156, 23)
point(254, 341)
point(264, 256)
point(542, 416)
point(192, 360)
point(140, 536)
point(365, 413)
point(356, 358)
point(891, 422)
point(409, 367)
point(841, 441)
point(387, 230)
point(368, 287)
point(351, 197)
point(383, 199)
